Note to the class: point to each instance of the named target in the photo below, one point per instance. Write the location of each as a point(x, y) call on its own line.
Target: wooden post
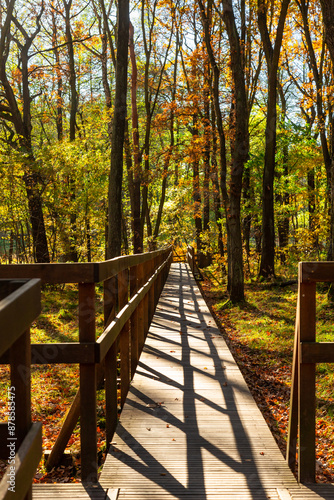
point(306, 418)
point(20, 358)
point(293, 416)
point(146, 301)
point(110, 299)
point(156, 284)
point(20, 391)
point(140, 308)
point(88, 421)
point(124, 342)
point(134, 321)
point(151, 304)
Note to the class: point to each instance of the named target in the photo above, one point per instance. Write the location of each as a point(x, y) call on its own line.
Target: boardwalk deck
point(190, 428)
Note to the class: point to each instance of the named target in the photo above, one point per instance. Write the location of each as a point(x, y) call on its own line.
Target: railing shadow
point(186, 372)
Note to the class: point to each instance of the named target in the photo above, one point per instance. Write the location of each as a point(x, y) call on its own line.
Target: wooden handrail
point(20, 440)
point(18, 310)
point(307, 352)
point(141, 276)
point(79, 272)
point(191, 258)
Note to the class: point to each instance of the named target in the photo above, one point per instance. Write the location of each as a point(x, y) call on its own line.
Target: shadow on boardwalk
point(190, 428)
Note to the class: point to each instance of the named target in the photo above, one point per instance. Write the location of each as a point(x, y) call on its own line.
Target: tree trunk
point(114, 245)
point(267, 265)
point(72, 254)
point(32, 183)
point(137, 231)
point(215, 184)
point(327, 8)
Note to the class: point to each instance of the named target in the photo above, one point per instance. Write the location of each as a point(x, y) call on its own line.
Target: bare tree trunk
point(327, 8)
point(116, 161)
point(137, 155)
point(267, 266)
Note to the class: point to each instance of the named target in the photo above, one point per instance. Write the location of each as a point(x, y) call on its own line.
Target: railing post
point(124, 343)
point(20, 361)
point(146, 268)
point(156, 283)
point(134, 321)
point(291, 449)
point(110, 299)
point(140, 308)
point(88, 421)
point(306, 418)
point(151, 303)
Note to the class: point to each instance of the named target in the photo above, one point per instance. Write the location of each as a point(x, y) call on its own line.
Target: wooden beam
point(66, 352)
point(80, 272)
point(26, 461)
point(17, 311)
point(88, 419)
point(316, 271)
point(293, 415)
point(317, 352)
point(306, 391)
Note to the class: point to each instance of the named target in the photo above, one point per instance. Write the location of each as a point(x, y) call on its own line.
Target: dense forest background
point(228, 140)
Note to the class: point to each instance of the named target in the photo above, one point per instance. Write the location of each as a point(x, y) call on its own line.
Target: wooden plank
point(306, 391)
point(26, 461)
point(88, 419)
point(110, 360)
point(111, 392)
point(56, 353)
point(151, 305)
point(112, 331)
point(53, 273)
point(134, 321)
point(317, 352)
point(65, 433)
point(69, 491)
point(141, 312)
point(20, 391)
point(9, 286)
point(316, 271)
point(146, 271)
point(293, 415)
point(17, 311)
point(124, 341)
point(114, 266)
point(81, 272)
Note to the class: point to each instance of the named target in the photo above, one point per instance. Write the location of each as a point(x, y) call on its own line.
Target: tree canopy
point(124, 127)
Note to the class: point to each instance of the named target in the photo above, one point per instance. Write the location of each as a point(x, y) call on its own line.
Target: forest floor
point(259, 332)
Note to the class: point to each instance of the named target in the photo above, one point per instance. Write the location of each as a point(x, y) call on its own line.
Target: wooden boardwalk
point(190, 428)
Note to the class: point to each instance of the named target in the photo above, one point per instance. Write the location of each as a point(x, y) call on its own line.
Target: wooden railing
point(132, 286)
point(20, 440)
point(191, 258)
point(307, 352)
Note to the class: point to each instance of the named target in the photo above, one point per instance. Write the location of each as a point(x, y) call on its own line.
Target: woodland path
point(190, 428)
